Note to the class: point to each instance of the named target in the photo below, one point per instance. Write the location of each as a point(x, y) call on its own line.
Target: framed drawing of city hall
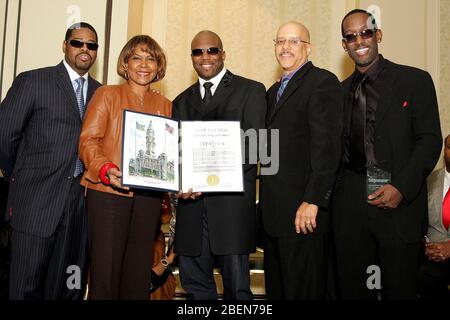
point(150, 152)
point(210, 151)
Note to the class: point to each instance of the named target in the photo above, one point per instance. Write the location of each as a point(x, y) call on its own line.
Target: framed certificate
point(209, 158)
point(150, 152)
point(212, 156)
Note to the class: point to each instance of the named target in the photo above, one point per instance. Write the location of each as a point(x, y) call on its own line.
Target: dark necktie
point(208, 94)
point(79, 168)
point(358, 127)
point(283, 85)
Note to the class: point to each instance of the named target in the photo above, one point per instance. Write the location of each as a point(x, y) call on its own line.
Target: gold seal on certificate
point(212, 180)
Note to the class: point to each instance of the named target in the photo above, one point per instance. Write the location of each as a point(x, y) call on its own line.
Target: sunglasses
point(210, 51)
point(80, 44)
point(365, 34)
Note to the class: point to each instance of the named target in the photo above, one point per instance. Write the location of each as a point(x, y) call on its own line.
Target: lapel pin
point(405, 104)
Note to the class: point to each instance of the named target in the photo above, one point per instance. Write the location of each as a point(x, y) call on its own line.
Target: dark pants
point(53, 267)
point(295, 267)
point(366, 239)
point(197, 278)
point(434, 279)
point(121, 232)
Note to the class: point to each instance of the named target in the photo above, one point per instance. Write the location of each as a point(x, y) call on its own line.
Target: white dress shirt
point(215, 81)
point(74, 76)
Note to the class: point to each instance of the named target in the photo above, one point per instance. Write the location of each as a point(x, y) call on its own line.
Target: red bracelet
point(104, 170)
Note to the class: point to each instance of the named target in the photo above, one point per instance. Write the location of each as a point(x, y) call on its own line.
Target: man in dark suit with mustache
point(306, 108)
point(41, 120)
point(392, 141)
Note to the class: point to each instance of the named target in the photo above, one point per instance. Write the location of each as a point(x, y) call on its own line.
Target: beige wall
point(444, 88)
point(2, 27)
point(414, 33)
point(247, 29)
point(43, 24)
point(40, 38)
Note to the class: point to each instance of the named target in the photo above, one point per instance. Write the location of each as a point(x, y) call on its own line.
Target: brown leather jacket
point(101, 135)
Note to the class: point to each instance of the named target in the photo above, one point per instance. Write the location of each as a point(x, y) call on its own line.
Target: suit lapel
point(194, 99)
point(224, 89)
point(435, 193)
point(293, 85)
point(386, 94)
point(66, 87)
point(91, 89)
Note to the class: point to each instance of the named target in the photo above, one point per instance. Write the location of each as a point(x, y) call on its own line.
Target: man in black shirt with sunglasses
point(41, 120)
point(392, 140)
point(218, 229)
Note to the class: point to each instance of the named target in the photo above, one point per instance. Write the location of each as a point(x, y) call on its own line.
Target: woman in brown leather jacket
point(122, 223)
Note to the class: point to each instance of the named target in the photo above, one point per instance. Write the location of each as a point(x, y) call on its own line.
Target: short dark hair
point(445, 140)
point(148, 45)
point(354, 11)
point(80, 25)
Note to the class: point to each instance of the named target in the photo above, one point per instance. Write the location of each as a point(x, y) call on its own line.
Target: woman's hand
point(114, 176)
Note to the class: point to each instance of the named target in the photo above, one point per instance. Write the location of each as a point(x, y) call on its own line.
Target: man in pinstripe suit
point(40, 121)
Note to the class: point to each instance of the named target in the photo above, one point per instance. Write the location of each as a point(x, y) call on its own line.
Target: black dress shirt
point(375, 78)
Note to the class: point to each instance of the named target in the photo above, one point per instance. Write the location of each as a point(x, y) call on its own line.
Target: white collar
point(446, 181)
point(73, 74)
point(215, 81)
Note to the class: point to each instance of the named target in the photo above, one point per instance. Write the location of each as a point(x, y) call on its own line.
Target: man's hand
point(114, 176)
point(188, 195)
point(386, 197)
point(438, 251)
point(305, 218)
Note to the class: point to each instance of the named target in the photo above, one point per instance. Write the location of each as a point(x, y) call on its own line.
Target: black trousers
point(365, 239)
point(434, 279)
point(121, 232)
point(197, 277)
point(295, 267)
point(54, 267)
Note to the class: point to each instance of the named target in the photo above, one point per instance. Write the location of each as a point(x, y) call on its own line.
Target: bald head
point(292, 46)
point(206, 36)
point(295, 28)
point(207, 54)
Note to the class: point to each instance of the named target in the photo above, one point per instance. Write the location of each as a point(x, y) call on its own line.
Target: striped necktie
point(283, 85)
point(80, 95)
point(79, 168)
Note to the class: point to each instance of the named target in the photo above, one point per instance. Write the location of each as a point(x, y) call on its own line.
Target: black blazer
point(309, 119)
point(231, 216)
point(407, 141)
point(40, 126)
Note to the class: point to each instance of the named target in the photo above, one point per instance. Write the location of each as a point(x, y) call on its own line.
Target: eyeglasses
point(291, 42)
point(365, 34)
point(211, 51)
point(80, 44)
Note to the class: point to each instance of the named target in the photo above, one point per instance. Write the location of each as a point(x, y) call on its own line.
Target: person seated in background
point(163, 283)
point(434, 275)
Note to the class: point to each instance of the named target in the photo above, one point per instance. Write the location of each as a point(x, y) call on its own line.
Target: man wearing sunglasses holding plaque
point(218, 228)
point(392, 141)
point(41, 120)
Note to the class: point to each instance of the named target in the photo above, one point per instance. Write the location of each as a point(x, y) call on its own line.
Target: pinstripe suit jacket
point(40, 127)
